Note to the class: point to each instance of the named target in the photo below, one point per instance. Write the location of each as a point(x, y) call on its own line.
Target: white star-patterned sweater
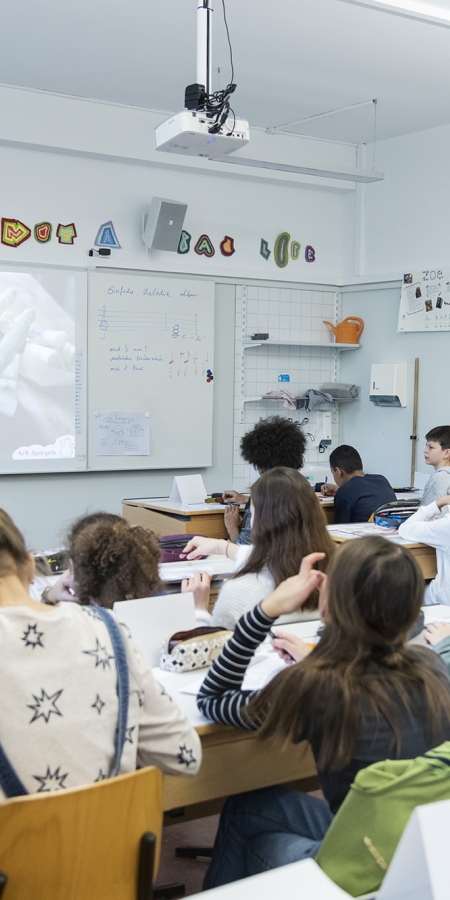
point(59, 705)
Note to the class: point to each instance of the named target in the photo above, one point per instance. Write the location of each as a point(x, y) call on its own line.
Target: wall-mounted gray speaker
point(162, 225)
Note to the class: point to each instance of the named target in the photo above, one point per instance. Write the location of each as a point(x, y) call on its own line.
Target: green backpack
point(361, 841)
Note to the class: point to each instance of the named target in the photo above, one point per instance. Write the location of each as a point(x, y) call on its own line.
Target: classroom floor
point(197, 833)
point(190, 872)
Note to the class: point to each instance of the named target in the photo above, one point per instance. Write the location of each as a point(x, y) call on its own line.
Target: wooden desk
point(425, 555)
point(166, 517)
point(234, 761)
point(327, 504)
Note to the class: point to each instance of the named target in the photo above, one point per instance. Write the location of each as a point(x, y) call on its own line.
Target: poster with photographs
point(425, 301)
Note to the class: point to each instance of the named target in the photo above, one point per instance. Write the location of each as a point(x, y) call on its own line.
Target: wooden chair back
point(83, 843)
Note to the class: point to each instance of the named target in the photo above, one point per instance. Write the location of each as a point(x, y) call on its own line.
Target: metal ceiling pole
point(204, 44)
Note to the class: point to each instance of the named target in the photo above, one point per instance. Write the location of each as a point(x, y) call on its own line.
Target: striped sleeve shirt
point(221, 697)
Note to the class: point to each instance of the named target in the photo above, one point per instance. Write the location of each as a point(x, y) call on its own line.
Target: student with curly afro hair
point(272, 442)
point(115, 561)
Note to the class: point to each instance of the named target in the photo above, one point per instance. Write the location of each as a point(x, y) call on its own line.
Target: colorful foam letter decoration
point(184, 244)
point(264, 249)
point(42, 232)
point(14, 232)
point(107, 237)
point(66, 234)
point(227, 247)
point(204, 246)
point(310, 254)
point(295, 249)
point(281, 250)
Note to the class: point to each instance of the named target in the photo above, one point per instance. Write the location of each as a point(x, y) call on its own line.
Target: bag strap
point(440, 758)
point(123, 688)
point(9, 780)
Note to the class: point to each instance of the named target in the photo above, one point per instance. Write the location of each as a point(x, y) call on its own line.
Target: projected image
point(37, 365)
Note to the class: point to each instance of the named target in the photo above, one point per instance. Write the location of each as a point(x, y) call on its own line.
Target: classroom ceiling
point(293, 59)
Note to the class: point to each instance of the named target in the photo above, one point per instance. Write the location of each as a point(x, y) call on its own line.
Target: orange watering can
point(348, 331)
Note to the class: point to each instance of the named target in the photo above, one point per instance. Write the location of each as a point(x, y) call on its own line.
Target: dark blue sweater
point(356, 500)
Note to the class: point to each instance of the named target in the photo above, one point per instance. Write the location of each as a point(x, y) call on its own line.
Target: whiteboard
point(150, 347)
point(42, 370)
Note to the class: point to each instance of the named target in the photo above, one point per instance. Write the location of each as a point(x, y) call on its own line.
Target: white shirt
point(238, 595)
point(59, 705)
point(436, 534)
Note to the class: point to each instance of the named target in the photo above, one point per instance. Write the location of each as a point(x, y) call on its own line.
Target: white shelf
point(331, 345)
point(326, 403)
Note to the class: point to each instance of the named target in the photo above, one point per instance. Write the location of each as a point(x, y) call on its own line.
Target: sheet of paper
point(256, 677)
point(188, 489)
point(213, 565)
point(122, 434)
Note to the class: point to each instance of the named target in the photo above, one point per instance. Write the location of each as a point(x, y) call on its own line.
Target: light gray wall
point(382, 435)
point(43, 505)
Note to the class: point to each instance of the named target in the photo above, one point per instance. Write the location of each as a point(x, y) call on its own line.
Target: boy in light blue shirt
point(437, 454)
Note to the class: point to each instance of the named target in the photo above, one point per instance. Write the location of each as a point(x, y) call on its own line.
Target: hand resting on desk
point(234, 497)
point(202, 546)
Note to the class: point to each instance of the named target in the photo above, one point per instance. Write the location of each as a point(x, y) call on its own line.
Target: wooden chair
point(99, 842)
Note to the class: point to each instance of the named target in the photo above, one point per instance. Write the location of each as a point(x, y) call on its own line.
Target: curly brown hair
point(115, 561)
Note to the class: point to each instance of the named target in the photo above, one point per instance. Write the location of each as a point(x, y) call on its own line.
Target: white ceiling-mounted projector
point(206, 127)
point(188, 133)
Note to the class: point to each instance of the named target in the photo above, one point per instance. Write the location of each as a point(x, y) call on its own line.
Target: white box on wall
point(388, 384)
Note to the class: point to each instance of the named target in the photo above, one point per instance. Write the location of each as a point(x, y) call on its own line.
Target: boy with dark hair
point(272, 442)
point(357, 495)
point(437, 454)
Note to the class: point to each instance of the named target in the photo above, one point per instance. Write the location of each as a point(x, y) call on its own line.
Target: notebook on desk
point(152, 620)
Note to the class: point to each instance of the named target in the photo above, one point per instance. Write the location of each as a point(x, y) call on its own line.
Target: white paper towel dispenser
point(388, 383)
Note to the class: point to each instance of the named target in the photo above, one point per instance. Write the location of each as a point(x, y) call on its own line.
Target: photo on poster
point(425, 301)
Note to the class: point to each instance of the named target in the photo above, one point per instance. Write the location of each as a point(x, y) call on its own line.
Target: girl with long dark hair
point(287, 525)
point(360, 696)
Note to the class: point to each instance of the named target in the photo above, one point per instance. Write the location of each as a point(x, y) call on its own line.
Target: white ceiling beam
point(364, 176)
point(409, 9)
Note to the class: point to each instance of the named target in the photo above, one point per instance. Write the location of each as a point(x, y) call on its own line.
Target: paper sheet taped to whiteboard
point(122, 434)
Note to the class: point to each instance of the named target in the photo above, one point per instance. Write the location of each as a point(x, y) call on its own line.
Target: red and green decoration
point(43, 232)
point(204, 246)
point(66, 234)
point(14, 232)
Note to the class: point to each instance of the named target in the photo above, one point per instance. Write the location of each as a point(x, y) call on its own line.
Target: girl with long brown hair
point(287, 525)
point(360, 696)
